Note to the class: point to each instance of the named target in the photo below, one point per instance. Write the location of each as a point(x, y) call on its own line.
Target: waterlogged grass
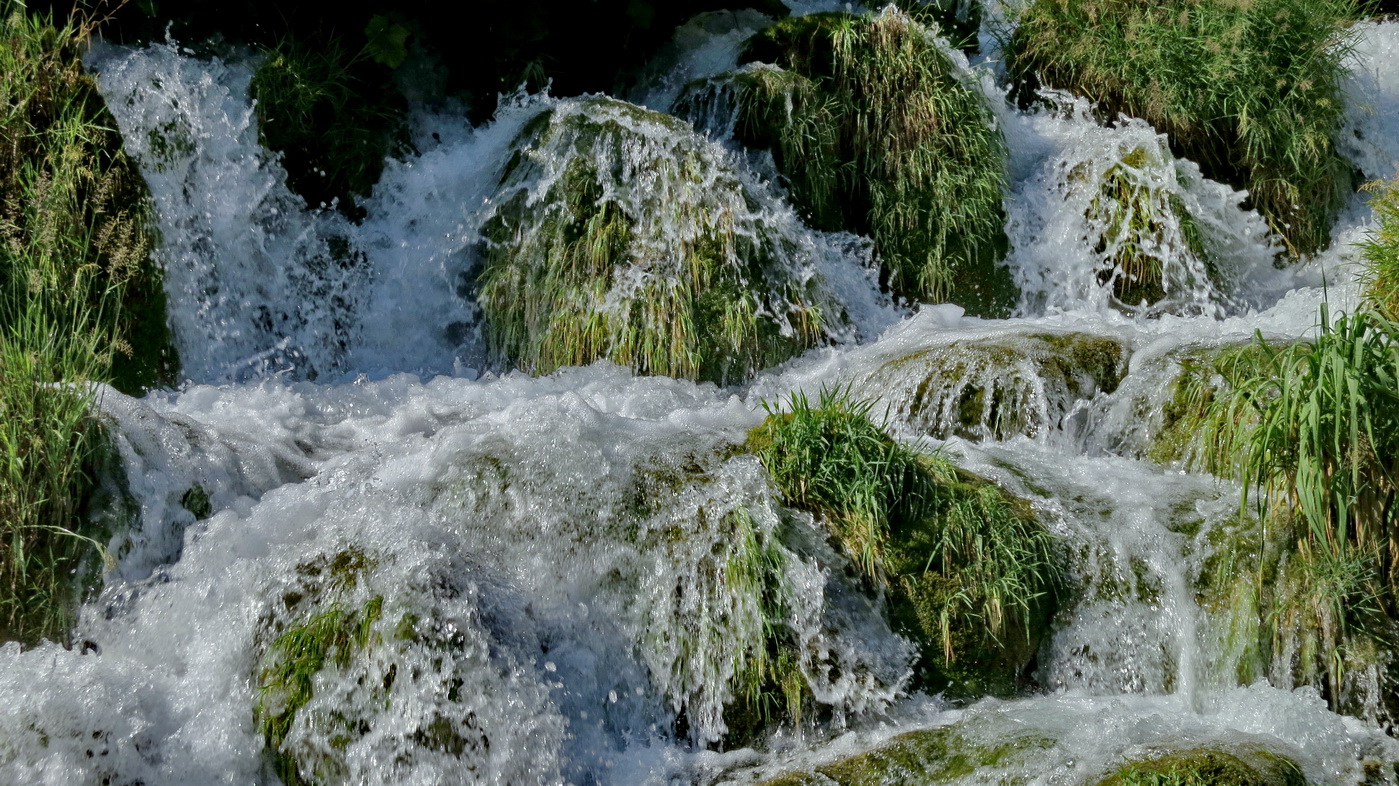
point(967, 568)
point(1209, 768)
point(620, 236)
point(78, 302)
point(875, 133)
point(1250, 91)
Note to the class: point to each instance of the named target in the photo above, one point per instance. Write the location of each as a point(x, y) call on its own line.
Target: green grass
point(1248, 90)
point(1381, 251)
point(78, 302)
point(332, 113)
point(968, 569)
point(875, 133)
point(1209, 768)
point(671, 276)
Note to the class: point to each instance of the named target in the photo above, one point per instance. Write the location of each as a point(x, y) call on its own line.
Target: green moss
point(1144, 232)
point(1250, 91)
point(921, 757)
point(997, 388)
point(967, 569)
point(308, 92)
point(620, 235)
point(1203, 767)
point(875, 133)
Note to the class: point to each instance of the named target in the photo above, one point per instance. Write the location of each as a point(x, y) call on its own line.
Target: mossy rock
point(875, 132)
point(1184, 432)
point(996, 388)
point(620, 234)
point(1249, 91)
point(922, 757)
point(1152, 250)
point(965, 568)
point(1207, 767)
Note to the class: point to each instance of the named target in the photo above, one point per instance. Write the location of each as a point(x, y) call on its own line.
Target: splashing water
point(566, 579)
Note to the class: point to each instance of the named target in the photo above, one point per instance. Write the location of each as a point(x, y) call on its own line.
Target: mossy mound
point(966, 568)
point(876, 133)
point(999, 387)
point(348, 677)
point(622, 235)
point(1153, 252)
point(958, 21)
point(1184, 430)
point(1205, 767)
point(310, 91)
point(921, 757)
point(1249, 91)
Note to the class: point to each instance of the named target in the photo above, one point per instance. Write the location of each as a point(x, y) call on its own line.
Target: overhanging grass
point(622, 235)
point(78, 302)
point(967, 568)
point(1250, 91)
point(876, 134)
point(1381, 250)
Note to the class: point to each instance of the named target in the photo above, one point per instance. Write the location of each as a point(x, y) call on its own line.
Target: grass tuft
point(1248, 90)
point(876, 133)
point(1381, 250)
point(968, 570)
point(79, 302)
point(621, 235)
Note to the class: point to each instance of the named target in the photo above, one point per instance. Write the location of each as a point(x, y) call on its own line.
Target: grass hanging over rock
point(967, 568)
point(621, 235)
point(875, 132)
point(1249, 91)
point(79, 302)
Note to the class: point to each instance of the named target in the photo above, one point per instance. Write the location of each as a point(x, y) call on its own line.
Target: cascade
point(589, 576)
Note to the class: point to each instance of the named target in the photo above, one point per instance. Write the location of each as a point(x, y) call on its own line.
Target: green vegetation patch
point(967, 569)
point(999, 387)
point(80, 301)
point(1248, 90)
point(1204, 767)
point(1381, 251)
point(332, 113)
point(876, 133)
point(931, 756)
point(621, 235)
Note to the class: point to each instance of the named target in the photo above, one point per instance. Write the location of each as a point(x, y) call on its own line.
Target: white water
point(554, 540)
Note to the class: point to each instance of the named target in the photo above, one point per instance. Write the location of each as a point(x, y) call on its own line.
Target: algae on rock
point(966, 569)
point(1243, 766)
point(620, 234)
point(995, 388)
point(876, 132)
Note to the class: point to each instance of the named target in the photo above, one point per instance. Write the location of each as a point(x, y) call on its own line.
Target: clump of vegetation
point(956, 20)
point(968, 569)
point(1253, 767)
point(79, 302)
point(621, 235)
point(1381, 250)
point(1249, 91)
point(332, 113)
point(876, 133)
point(1144, 234)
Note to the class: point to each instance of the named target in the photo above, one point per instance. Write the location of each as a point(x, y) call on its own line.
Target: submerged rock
point(876, 132)
point(620, 234)
point(996, 388)
point(1207, 767)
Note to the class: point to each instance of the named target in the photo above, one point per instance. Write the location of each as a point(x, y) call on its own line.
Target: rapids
point(552, 540)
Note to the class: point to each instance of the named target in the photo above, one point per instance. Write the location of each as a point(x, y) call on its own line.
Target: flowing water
point(552, 544)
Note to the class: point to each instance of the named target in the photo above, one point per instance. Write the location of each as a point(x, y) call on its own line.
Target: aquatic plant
point(310, 91)
point(1249, 91)
point(619, 234)
point(876, 132)
point(968, 569)
point(1205, 767)
point(79, 302)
